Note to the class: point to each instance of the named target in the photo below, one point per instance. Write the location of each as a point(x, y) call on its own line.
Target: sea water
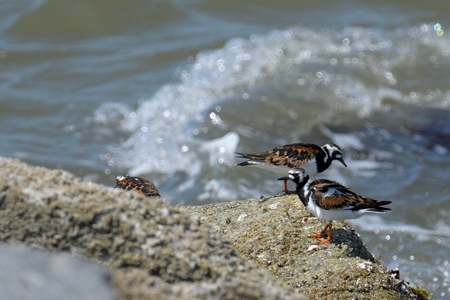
point(170, 90)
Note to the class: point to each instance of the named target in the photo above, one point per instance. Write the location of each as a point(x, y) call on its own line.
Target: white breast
point(339, 214)
point(330, 214)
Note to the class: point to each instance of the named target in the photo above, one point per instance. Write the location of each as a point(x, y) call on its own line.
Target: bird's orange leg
point(286, 189)
point(329, 238)
point(319, 235)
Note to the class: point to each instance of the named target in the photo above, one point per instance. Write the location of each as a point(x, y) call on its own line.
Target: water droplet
point(301, 81)
point(292, 114)
point(166, 113)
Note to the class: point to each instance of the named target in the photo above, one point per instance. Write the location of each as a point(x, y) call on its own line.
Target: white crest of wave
point(165, 133)
point(162, 138)
point(378, 223)
point(359, 167)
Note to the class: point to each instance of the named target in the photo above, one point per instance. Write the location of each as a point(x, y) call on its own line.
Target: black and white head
point(121, 177)
point(334, 152)
point(298, 176)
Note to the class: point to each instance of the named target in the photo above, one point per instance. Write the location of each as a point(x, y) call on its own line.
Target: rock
point(152, 249)
point(251, 249)
point(273, 232)
point(27, 273)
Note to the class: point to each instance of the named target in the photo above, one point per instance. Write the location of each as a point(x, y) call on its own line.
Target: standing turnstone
point(138, 184)
point(329, 200)
point(283, 158)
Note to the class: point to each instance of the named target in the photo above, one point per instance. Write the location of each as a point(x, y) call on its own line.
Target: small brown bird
point(330, 200)
point(283, 158)
point(138, 184)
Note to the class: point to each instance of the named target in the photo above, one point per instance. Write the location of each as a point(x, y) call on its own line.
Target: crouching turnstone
point(329, 200)
point(283, 158)
point(138, 184)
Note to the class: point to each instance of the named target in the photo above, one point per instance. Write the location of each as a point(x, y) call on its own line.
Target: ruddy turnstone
point(138, 184)
point(283, 158)
point(329, 200)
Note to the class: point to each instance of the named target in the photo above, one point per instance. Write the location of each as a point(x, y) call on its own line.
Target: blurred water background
point(168, 90)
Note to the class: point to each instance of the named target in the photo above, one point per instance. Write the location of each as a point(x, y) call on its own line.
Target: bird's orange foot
point(287, 192)
point(286, 189)
point(317, 235)
point(324, 241)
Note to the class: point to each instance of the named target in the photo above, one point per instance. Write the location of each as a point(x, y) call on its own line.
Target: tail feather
point(383, 202)
point(240, 155)
point(245, 163)
point(255, 156)
point(379, 209)
point(373, 205)
point(254, 159)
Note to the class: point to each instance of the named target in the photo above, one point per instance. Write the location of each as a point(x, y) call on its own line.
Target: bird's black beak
point(284, 178)
point(342, 161)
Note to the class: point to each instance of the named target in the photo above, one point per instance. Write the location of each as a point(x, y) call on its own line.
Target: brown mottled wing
point(292, 155)
point(138, 184)
point(330, 194)
point(148, 188)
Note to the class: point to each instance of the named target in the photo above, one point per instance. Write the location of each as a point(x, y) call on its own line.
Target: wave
point(440, 231)
point(354, 73)
point(12, 12)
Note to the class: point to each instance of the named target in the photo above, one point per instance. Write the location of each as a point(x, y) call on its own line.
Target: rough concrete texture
point(252, 249)
point(153, 250)
point(273, 232)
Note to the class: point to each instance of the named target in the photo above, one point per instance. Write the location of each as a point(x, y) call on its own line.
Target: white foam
point(222, 150)
point(344, 140)
point(111, 114)
point(440, 229)
point(167, 128)
point(360, 167)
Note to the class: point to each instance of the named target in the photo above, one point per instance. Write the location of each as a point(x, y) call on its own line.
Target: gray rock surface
point(152, 249)
point(273, 232)
point(27, 273)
